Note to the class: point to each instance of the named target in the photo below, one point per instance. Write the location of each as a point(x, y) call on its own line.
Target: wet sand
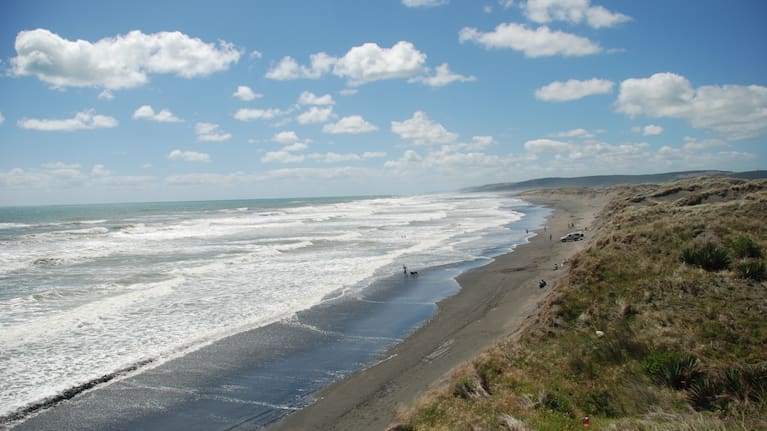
point(494, 302)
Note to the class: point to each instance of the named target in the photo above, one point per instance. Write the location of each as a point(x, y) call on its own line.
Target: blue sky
point(163, 100)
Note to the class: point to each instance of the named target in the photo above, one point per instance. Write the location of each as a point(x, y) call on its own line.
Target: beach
point(494, 302)
point(227, 314)
point(353, 360)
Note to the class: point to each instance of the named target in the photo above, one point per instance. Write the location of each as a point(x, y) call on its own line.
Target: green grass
point(677, 286)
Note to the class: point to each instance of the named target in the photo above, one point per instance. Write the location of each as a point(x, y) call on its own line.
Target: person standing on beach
point(404, 269)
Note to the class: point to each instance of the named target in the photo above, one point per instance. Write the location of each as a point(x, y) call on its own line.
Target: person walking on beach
point(404, 269)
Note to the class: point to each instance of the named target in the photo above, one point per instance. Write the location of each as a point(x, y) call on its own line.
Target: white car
point(572, 236)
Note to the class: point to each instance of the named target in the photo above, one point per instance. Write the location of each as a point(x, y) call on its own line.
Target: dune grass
point(659, 325)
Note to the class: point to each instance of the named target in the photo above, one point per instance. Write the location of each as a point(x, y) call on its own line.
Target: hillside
point(658, 325)
point(610, 180)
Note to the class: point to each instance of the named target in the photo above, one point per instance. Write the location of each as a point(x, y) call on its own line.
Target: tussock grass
point(674, 279)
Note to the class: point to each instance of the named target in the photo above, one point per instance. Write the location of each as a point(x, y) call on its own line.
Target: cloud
point(354, 124)
point(188, 156)
point(572, 11)
point(61, 166)
point(481, 142)
point(309, 98)
point(84, 120)
point(2, 119)
point(209, 132)
point(540, 42)
point(735, 111)
point(574, 133)
point(348, 91)
point(244, 93)
point(422, 131)
point(316, 115)
point(257, 114)
point(695, 144)
point(443, 76)
point(106, 95)
point(348, 157)
point(146, 112)
point(424, 3)
point(652, 130)
point(369, 62)
point(547, 146)
point(100, 170)
point(255, 54)
point(573, 90)
point(288, 153)
point(361, 64)
point(286, 137)
point(288, 68)
point(123, 61)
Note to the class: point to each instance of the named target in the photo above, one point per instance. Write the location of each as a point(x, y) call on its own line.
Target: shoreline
point(350, 363)
point(494, 302)
point(251, 379)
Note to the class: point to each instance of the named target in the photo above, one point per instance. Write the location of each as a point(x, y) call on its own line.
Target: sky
point(194, 100)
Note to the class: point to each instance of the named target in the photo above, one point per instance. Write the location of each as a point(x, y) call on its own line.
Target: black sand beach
point(252, 379)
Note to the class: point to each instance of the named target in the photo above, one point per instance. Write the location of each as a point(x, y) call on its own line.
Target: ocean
point(91, 294)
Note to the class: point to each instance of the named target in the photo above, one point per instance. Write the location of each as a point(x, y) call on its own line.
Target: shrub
point(556, 403)
point(744, 247)
point(674, 369)
point(601, 402)
point(710, 257)
point(753, 269)
point(747, 382)
point(705, 394)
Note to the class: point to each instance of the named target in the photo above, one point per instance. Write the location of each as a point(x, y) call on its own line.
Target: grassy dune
point(660, 324)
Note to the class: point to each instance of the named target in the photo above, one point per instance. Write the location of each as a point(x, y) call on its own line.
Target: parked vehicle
point(572, 236)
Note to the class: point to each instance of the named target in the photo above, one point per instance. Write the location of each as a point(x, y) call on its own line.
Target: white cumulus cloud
point(369, 62)
point(572, 11)
point(547, 146)
point(2, 119)
point(188, 156)
point(442, 76)
point(540, 42)
point(288, 153)
point(245, 93)
point(123, 61)
point(209, 132)
point(146, 112)
point(315, 115)
point(361, 64)
point(422, 131)
point(257, 114)
point(309, 98)
point(652, 130)
point(573, 89)
point(82, 121)
point(286, 137)
point(735, 111)
point(353, 124)
point(288, 68)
